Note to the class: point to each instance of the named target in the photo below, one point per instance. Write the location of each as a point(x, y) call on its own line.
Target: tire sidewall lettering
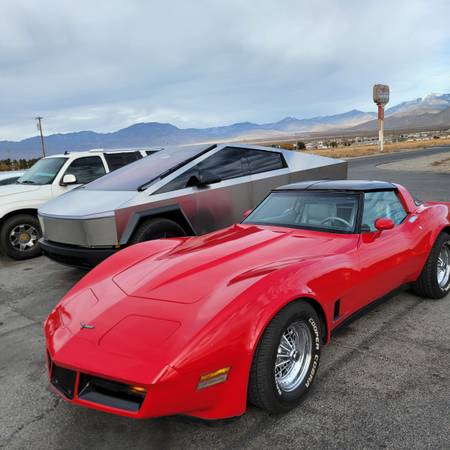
point(316, 345)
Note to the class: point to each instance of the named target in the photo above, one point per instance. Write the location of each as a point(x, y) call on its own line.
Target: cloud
point(106, 64)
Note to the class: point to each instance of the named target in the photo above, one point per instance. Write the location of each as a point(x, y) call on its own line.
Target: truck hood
point(81, 203)
point(17, 189)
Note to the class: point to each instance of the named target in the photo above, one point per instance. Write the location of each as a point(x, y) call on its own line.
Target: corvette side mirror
point(69, 179)
point(246, 213)
point(383, 223)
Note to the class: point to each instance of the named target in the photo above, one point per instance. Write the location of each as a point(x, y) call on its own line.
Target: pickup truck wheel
point(434, 281)
point(286, 359)
point(158, 228)
point(19, 237)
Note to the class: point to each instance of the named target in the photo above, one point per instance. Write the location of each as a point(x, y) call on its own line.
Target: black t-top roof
point(337, 185)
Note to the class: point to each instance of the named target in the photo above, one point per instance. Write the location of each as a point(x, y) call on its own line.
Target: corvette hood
point(141, 320)
point(87, 332)
point(198, 266)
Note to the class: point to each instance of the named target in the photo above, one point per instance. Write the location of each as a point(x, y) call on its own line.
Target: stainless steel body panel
point(81, 232)
point(75, 218)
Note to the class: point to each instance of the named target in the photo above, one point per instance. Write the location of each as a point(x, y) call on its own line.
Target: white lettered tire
point(286, 359)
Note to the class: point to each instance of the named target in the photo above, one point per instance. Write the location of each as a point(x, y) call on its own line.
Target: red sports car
point(200, 326)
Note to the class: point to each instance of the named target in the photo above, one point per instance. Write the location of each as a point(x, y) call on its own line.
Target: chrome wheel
point(23, 237)
point(293, 356)
point(443, 266)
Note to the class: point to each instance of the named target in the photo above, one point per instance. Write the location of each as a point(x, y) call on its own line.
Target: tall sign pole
point(381, 98)
point(39, 127)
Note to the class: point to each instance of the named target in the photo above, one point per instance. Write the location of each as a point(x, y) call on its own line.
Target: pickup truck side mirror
point(206, 178)
point(383, 223)
point(69, 179)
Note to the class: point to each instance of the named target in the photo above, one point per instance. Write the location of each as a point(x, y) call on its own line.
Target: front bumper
point(174, 394)
point(99, 393)
point(73, 256)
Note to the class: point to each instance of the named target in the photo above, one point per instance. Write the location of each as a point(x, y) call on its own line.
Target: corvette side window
point(379, 205)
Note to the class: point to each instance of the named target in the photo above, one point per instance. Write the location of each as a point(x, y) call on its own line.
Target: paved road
point(424, 185)
point(383, 381)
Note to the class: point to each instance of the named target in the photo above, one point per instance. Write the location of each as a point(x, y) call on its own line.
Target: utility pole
point(381, 127)
point(381, 98)
point(39, 127)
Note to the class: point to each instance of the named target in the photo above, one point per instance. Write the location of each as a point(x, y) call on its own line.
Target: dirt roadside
point(367, 150)
point(433, 163)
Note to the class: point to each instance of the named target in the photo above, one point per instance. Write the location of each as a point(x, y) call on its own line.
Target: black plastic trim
point(136, 218)
point(63, 380)
point(82, 258)
point(109, 393)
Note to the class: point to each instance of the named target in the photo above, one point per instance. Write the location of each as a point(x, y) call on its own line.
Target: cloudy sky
point(105, 64)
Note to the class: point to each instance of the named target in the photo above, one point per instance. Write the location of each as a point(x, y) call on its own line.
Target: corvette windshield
point(322, 211)
point(43, 172)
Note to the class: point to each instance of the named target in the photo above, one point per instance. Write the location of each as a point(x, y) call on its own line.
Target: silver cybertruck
point(179, 191)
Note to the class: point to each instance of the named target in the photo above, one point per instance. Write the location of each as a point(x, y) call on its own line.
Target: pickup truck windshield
point(141, 174)
point(321, 211)
point(43, 172)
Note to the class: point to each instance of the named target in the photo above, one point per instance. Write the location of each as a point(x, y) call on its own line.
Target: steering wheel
point(339, 219)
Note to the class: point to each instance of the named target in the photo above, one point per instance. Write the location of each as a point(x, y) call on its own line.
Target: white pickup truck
point(49, 178)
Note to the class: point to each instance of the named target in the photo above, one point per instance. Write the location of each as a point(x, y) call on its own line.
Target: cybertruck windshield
point(141, 174)
point(321, 211)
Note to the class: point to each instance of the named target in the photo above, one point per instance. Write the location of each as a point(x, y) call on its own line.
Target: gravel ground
point(383, 382)
point(432, 163)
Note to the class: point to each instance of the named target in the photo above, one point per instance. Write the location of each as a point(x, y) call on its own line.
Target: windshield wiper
point(26, 182)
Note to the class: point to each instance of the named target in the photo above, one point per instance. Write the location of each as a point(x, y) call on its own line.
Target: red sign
point(381, 94)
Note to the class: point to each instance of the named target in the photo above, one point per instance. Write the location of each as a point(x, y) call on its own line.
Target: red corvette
point(200, 326)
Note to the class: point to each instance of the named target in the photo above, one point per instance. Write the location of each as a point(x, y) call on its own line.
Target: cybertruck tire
point(434, 280)
point(19, 236)
point(286, 359)
point(157, 228)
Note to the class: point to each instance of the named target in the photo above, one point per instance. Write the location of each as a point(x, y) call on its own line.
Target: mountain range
point(432, 111)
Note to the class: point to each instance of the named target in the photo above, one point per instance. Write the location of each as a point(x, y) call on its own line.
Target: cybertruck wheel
point(19, 237)
point(286, 359)
point(434, 281)
point(158, 228)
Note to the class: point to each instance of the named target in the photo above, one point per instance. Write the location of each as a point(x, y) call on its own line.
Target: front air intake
point(110, 393)
point(63, 380)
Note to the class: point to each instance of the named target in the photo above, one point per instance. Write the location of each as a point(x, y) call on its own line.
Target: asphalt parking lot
point(383, 382)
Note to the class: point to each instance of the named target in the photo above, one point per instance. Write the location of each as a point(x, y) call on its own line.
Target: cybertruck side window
point(227, 163)
point(86, 169)
point(261, 161)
